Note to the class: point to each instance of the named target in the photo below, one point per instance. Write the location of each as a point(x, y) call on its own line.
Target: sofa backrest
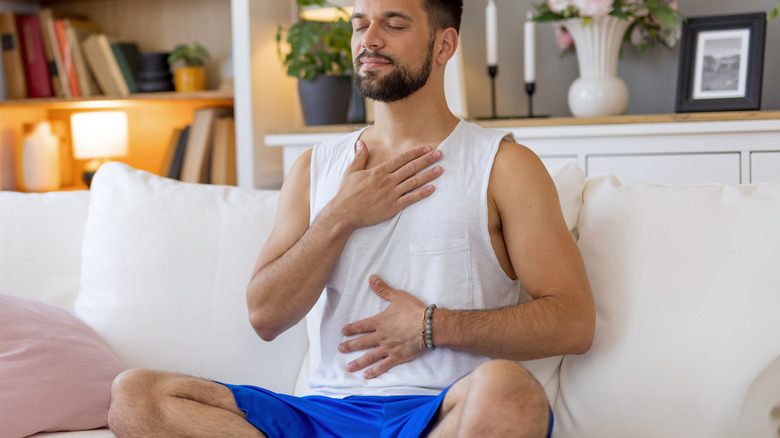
point(687, 291)
point(165, 266)
point(40, 245)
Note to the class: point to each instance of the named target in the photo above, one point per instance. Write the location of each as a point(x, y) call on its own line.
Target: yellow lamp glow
point(328, 13)
point(98, 136)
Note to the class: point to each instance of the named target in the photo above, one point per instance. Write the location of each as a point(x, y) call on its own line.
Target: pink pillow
point(55, 371)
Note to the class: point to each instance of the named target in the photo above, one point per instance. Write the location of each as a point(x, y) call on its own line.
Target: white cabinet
point(669, 168)
point(734, 148)
point(765, 166)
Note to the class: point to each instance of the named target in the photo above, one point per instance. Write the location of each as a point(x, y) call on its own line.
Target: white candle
point(530, 50)
point(491, 28)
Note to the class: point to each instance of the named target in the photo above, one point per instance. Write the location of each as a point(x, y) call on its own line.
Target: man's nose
point(372, 38)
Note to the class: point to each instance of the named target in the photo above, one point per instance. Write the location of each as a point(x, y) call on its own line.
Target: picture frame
point(721, 63)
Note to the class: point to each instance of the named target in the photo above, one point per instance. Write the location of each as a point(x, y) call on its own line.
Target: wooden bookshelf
point(156, 26)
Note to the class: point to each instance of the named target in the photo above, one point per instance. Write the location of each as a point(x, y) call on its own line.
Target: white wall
point(274, 96)
point(651, 77)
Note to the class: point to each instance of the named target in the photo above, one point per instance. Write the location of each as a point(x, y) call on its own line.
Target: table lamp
point(329, 12)
point(96, 137)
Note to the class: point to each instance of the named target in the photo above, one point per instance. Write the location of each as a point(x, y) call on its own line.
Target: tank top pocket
point(441, 273)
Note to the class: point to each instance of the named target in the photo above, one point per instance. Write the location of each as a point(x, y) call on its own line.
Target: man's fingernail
point(374, 280)
point(359, 146)
point(437, 154)
point(426, 149)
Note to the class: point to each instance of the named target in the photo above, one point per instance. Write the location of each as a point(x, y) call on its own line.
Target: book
point(15, 81)
point(174, 171)
point(98, 67)
point(51, 33)
point(45, 16)
point(107, 55)
point(35, 67)
point(171, 151)
point(3, 92)
point(76, 31)
point(127, 58)
point(223, 154)
point(196, 166)
point(67, 59)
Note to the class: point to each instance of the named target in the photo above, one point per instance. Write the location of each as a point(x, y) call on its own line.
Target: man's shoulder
point(480, 133)
point(340, 140)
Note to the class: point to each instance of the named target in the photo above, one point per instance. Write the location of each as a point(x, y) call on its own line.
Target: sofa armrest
point(760, 415)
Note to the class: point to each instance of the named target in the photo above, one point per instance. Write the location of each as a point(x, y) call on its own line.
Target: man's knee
point(131, 391)
point(512, 392)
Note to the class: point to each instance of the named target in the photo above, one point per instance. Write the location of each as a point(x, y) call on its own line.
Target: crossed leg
point(150, 404)
point(498, 399)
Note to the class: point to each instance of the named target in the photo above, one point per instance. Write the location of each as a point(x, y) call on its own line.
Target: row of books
point(49, 55)
point(205, 151)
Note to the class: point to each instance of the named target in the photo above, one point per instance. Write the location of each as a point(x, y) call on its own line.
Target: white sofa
point(686, 281)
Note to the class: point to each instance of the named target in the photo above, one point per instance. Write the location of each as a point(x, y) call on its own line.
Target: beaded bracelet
point(427, 330)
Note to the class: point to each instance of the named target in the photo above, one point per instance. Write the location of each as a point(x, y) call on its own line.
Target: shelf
point(564, 121)
point(92, 101)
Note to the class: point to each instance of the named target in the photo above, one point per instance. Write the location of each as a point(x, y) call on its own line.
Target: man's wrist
point(336, 222)
point(441, 328)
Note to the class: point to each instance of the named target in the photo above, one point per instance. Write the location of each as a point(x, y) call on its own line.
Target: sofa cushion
point(164, 274)
point(760, 414)
point(685, 281)
point(40, 254)
point(569, 179)
point(55, 371)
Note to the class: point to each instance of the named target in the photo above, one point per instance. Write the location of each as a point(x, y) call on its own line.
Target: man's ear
point(449, 43)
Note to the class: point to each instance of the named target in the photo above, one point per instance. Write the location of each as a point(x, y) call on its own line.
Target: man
point(363, 245)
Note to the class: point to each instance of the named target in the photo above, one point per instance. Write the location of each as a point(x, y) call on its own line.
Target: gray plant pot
point(325, 99)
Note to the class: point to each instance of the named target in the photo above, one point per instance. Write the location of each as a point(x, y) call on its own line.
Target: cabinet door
point(764, 167)
point(553, 162)
point(669, 168)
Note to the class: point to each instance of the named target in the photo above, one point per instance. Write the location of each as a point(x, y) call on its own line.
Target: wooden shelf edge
point(566, 121)
point(633, 118)
point(203, 95)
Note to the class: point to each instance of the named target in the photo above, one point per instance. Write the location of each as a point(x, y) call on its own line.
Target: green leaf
point(665, 16)
point(771, 15)
point(619, 13)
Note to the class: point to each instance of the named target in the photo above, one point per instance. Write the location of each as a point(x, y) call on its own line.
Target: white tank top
point(438, 250)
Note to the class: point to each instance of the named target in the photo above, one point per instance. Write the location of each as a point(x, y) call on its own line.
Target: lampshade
point(328, 13)
point(99, 134)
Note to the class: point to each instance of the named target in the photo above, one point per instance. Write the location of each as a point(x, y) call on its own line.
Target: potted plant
point(319, 55)
point(192, 76)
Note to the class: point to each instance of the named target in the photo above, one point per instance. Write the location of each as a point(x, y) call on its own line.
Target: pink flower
point(558, 6)
point(563, 38)
point(594, 8)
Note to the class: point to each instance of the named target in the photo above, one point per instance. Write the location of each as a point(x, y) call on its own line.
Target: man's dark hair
point(444, 13)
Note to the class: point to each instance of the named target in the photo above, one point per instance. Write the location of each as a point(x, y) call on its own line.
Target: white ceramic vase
point(598, 91)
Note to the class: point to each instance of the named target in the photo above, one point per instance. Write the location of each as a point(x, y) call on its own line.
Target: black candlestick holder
point(493, 72)
point(530, 87)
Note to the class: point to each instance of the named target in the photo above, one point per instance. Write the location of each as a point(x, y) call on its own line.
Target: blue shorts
point(281, 415)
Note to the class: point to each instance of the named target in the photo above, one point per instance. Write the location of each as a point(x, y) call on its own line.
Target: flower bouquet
point(652, 21)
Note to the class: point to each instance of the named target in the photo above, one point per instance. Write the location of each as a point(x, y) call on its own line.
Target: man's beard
point(396, 85)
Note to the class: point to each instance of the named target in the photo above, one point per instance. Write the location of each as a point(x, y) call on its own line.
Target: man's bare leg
point(154, 404)
point(498, 399)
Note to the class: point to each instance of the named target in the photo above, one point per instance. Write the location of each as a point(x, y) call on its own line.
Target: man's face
point(392, 48)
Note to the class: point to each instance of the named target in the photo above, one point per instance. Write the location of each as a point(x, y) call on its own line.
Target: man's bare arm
point(561, 317)
point(297, 259)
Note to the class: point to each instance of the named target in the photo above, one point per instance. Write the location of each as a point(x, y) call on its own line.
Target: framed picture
point(721, 63)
